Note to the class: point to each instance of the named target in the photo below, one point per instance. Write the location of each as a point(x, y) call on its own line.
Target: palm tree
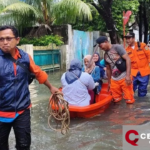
point(41, 12)
point(20, 14)
point(70, 11)
point(103, 7)
point(45, 9)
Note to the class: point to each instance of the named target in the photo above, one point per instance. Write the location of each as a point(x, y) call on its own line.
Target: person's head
point(89, 64)
point(76, 69)
point(9, 38)
point(103, 43)
point(75, 65)
point(87, 59)
point(130, 38)
point(96, 57)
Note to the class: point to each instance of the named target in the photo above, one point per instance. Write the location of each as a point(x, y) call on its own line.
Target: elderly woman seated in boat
point(94, 71)
point(76, 84)
point(100, 64)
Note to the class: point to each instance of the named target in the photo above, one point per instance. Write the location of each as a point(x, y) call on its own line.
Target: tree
point(17, 13)
point(69, 11)
point(108, 11)
point(117, 10)
point(103, 7)
point(31, 12)
point(105, 10)
point(118, 7)
point(144, 19)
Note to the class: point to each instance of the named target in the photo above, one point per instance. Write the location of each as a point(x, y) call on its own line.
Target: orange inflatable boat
point(102, 102)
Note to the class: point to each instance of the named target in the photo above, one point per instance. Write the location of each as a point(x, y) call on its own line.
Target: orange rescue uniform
point(140, 59)
point(120, 89)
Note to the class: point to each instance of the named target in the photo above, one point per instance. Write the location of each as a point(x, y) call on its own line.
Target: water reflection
point(100, 132)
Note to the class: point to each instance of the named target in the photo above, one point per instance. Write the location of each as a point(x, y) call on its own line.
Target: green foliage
point(117, 10)
point(97, 24)
point(69, 11)
point(28, 13)
point(17, 13)
point(43, 41)
point(118, 7)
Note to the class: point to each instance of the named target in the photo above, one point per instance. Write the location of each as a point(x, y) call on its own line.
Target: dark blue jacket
point(14, 91)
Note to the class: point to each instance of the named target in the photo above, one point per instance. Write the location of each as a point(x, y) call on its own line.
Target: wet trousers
point(120, 89)
point(22, 130)
point(141, 84)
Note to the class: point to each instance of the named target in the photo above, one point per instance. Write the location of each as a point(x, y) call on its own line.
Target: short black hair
point(13, 29)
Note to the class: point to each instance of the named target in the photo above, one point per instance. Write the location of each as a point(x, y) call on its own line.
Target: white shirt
point(76, 93)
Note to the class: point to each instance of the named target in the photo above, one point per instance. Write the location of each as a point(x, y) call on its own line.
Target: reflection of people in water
point(76, 84)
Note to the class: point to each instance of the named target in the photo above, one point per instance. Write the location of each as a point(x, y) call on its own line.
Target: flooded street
point(103, 132)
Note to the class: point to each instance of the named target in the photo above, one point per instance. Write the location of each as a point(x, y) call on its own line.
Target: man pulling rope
point(59, 110)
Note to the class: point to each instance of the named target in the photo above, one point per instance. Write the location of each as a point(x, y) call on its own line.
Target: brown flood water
point(103, 132)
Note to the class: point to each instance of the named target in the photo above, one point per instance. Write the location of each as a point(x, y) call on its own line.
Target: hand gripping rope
point(59, 112)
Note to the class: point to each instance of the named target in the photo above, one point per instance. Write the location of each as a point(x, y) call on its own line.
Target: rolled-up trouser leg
point(143, 83)
point(4, 134)
point(22, 131)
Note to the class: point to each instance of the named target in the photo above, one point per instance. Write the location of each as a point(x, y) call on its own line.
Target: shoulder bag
point(120, 64)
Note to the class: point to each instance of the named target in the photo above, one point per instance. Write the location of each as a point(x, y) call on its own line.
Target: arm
point(52, 89)
point(108, 71)
point(147, 52)
point(41, 76)
point(128, 64)
point(96, 76)
point(122, 52)
point(91, 84)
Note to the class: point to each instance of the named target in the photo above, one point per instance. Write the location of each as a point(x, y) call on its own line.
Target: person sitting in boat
point(103, 64)
point(76, 84)
point(94, 71)
point(96, 59)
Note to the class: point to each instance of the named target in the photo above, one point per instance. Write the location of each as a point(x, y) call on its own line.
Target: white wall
point(27, 48)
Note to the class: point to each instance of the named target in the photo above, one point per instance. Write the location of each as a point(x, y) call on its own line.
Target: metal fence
point(47, 59)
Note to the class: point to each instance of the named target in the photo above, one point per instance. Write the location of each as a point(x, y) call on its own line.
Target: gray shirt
point(115, 53)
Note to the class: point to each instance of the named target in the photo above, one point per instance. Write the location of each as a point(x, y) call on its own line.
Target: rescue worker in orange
point(139, 54)
point(119, 81)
